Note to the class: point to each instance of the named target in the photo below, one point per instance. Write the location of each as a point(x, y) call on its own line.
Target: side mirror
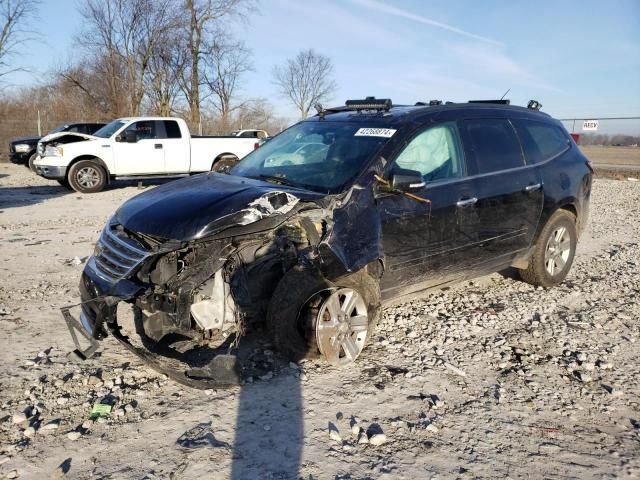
point(127, 137)
point(406, 180)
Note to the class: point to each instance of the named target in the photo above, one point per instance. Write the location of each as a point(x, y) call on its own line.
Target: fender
point(98, 160)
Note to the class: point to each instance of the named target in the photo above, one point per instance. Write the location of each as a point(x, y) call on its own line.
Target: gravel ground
point(490, 379)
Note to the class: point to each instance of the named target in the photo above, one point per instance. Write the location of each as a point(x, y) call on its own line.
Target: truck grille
point(117, 257)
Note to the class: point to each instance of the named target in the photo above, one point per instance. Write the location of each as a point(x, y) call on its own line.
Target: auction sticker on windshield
point(375, 132)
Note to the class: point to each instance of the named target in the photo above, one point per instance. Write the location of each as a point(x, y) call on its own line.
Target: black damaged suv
point(342, 212)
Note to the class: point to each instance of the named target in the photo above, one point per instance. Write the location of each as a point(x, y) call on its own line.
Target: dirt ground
point(490, 379)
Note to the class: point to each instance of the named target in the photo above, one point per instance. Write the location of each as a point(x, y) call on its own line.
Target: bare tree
point(14, 18)
point(305, 80)
point(126, 33)
point(203, 17)
point(259, 113)
point(224, 64)
point(162, 82)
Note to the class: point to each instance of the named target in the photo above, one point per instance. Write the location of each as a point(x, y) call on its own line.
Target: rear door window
point(541, 141)
point(494, 144)
point(435, 153)
point(171, 128)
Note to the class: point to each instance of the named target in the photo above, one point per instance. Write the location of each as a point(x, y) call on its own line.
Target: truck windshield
point(109, 129)
point(320, 156)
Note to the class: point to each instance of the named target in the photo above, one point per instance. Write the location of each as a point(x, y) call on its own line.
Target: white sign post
point(590, 125)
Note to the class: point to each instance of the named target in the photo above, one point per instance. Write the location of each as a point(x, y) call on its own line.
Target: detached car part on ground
point(405, 199)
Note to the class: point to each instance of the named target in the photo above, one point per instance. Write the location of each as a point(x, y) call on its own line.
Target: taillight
point(256, 145)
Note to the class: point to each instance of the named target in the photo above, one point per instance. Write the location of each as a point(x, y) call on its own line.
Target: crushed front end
point(191, 296)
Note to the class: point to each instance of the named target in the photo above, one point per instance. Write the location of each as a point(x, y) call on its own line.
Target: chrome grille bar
point(117, 257)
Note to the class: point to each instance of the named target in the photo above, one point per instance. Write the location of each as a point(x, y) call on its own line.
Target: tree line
point(159, 57)
point(617, 140)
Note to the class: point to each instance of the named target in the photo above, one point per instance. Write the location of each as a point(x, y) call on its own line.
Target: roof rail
point(432, 103)
point(534, 105)
point(497, 102)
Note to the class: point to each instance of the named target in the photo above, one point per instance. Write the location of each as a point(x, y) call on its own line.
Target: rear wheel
point(553, 252)
point(87, 176)
point(310, 316)
point(224, 164)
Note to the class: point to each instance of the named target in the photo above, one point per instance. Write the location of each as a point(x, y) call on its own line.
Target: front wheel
point(87, 176)
point(30, 163)
point(310, 316)
point(553, 252)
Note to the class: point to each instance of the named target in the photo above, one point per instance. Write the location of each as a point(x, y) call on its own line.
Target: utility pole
point(39, 126)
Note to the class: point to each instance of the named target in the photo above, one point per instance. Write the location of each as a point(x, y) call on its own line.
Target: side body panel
point(205, 150)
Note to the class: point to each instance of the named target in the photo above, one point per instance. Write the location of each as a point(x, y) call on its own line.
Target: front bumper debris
point(80, 327)
point(222, 370)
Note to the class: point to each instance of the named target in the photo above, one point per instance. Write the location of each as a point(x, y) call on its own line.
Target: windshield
point(319, 156)
point(109, 129)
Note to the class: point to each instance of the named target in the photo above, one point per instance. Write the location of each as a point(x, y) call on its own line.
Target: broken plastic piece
point(224, 369)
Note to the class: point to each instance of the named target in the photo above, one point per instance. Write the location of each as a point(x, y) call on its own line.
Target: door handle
point(158, 145)
point(531, 188)
point(465, 202)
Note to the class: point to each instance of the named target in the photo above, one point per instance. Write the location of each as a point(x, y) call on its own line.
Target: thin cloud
point(381, 7)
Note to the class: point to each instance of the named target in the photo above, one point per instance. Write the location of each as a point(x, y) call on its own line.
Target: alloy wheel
point(557, 251)
point(88, 177)
point(342, 326)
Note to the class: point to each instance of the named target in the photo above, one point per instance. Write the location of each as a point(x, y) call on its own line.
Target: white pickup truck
point(139, 147)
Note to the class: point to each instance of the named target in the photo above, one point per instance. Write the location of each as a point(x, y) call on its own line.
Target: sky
point(578, 58)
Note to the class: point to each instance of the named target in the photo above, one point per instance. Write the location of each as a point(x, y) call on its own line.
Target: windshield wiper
point(280, 180)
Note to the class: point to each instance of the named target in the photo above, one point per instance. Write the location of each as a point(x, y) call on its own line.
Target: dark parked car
point(404, 199)
point(23, 150)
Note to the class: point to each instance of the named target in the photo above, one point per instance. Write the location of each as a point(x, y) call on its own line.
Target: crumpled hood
point(53, 136)
point(180, 210)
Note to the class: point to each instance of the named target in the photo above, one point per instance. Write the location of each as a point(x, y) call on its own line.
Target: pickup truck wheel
point(310, 316)
point(30, 164)
point(87, 176)
point(224, 164)
point(553, 252)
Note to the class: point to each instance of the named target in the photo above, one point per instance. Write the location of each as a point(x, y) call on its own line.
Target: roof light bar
point(369, 103)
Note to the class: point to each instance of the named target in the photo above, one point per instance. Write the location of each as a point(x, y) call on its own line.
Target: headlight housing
point(22, 148)
point(52, 151)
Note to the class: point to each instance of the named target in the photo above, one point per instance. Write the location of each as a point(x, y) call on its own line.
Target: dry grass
point(627, 156)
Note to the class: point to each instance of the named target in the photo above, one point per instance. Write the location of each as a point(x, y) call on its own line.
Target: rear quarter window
point(541, 141)
point(494, 144)
point(172, 129)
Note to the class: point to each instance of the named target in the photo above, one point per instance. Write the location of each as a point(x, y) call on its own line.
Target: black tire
point(64, 183)
point(224, 164)
point(538, 271)
point(87, 176)
point(289, 320)
point(30, 164)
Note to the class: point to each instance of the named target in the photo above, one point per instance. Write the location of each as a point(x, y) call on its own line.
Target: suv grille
point(117, 257)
